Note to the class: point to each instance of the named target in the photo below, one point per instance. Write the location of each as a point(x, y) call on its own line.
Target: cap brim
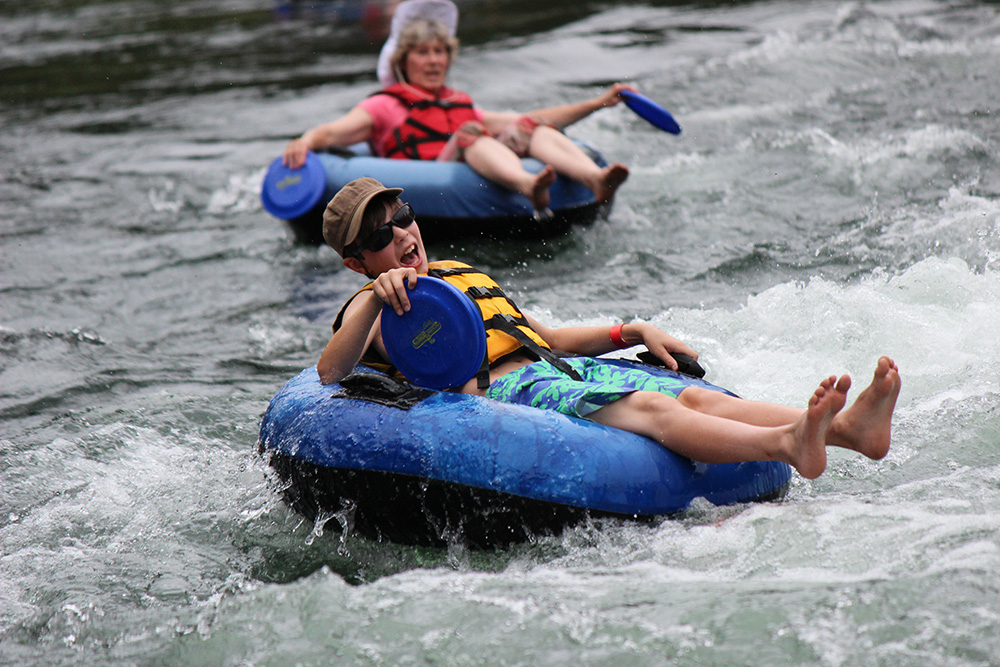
point(359, 210)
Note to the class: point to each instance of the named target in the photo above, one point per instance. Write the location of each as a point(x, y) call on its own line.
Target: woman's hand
point(567, 114)
point(355, 126)
point(391, 288)
point(612, 95)
point(295, 153)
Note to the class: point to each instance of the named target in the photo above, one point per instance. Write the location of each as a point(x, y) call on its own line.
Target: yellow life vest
point(507, 331)
point(494, 306)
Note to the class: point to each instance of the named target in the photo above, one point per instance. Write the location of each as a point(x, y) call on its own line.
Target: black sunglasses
point(382, 236)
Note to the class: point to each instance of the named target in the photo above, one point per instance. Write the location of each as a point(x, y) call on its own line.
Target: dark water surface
point(835, 195)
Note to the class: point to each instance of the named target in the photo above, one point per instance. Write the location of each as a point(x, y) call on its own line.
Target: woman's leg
point(492, 160)
point(552, 147)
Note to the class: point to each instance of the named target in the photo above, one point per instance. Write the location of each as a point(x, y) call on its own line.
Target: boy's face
point(405, 250)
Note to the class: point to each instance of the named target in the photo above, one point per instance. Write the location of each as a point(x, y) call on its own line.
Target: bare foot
point(540, 188)
point(808, 450)
point(866, 426)
point(611, 179)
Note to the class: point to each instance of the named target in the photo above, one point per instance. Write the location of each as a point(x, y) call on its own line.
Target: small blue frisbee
point(651, 112)
point(289, 193)
point(441, 341)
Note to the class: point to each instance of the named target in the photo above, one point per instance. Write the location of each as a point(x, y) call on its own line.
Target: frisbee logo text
point(426, 334)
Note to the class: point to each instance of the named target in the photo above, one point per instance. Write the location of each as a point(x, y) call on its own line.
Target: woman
point(419, 117)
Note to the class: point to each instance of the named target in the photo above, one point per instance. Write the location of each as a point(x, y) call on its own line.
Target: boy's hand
point(391, 287)
point(662, 345)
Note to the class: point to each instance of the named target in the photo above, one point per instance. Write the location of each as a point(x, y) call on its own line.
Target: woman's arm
point(561, 116)
point(355, 126)
point(592, 341)
point(568, 114)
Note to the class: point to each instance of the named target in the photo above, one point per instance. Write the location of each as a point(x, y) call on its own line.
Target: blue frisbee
point(441, 341)
point(651, 112)
point(289, 193)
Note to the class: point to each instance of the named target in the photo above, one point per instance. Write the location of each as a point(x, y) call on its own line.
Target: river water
point(835, 195)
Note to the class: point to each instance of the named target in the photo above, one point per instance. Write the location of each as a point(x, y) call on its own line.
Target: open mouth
point(411, 257)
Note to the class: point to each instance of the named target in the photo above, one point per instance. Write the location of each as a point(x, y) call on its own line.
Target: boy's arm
point(361, 326)
point(347, 346)
point(592, 341)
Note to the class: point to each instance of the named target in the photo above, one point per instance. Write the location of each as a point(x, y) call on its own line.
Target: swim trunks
point(542, 385)
point(516, 136)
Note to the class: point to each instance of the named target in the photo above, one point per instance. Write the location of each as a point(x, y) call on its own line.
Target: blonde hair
point(416, 33)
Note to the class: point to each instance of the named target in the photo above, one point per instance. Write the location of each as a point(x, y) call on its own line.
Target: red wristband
point(616, 336)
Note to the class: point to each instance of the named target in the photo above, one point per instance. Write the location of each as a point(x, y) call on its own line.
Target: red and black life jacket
point(430, 122)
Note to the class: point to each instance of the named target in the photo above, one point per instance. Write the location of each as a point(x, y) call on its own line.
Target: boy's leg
point(723, 405)
point(865, 427)
point(712, 439)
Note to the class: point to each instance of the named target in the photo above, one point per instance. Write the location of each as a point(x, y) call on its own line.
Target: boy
point(377, 235)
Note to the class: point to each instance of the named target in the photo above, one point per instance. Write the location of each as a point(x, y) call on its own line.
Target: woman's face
point(426, 65)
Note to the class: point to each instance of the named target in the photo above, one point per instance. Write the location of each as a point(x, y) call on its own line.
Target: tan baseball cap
point(344, 215)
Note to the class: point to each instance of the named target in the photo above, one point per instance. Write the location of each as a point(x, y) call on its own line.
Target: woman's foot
point(610, 180)
point(866, 426)
point(539, 191)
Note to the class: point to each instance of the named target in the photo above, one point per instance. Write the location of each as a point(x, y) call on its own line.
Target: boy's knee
point(652, 402)
point(697, 398)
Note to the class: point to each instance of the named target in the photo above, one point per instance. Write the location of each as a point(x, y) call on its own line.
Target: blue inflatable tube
point(418, 466)
point(451, 200)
